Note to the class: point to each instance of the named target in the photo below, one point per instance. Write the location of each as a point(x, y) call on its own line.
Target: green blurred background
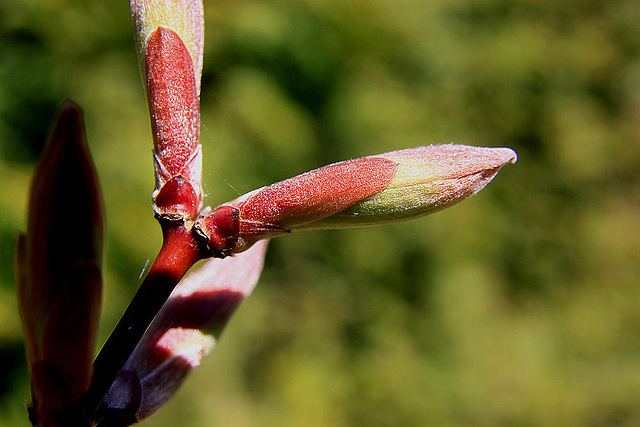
point(518, 307)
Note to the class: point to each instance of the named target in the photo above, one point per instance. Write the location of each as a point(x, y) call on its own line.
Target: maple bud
point(59, 270)
point(170, 35)
point(183, 333)
point(378, 189)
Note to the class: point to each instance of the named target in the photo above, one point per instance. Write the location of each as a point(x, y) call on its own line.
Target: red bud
point(175, 122)
point(220, 230)
point(176, 200)
point(59, 281)
point(173, 99)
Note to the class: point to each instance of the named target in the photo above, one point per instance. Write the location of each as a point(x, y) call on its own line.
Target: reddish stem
point(178, 253)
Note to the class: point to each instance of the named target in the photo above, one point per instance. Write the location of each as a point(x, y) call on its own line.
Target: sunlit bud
point(176, 200)
point(170, 38)
point(184, 332)
point(371, 190)
point(428, 179)
point(59, 276)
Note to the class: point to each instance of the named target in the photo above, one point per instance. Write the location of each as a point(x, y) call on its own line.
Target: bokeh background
point(519, 307)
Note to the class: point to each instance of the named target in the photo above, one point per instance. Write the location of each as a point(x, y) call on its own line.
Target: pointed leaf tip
point(184, 17)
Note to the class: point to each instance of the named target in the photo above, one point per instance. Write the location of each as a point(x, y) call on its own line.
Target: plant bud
point(371, 190)
point(59, 268)
point(170, 37)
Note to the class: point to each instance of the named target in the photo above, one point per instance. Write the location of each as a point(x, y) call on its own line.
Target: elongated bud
point(170, 38)
point(428, 179)
point(371, 190)
point(184, 332)
point(59, 276)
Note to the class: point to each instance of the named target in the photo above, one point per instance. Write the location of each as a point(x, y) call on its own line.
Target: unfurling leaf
point(183, 333)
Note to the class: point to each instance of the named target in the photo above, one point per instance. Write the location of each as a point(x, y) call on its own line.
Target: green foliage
point(517, 307)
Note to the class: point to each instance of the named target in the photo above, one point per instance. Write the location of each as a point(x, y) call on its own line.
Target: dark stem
point(178, 253)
